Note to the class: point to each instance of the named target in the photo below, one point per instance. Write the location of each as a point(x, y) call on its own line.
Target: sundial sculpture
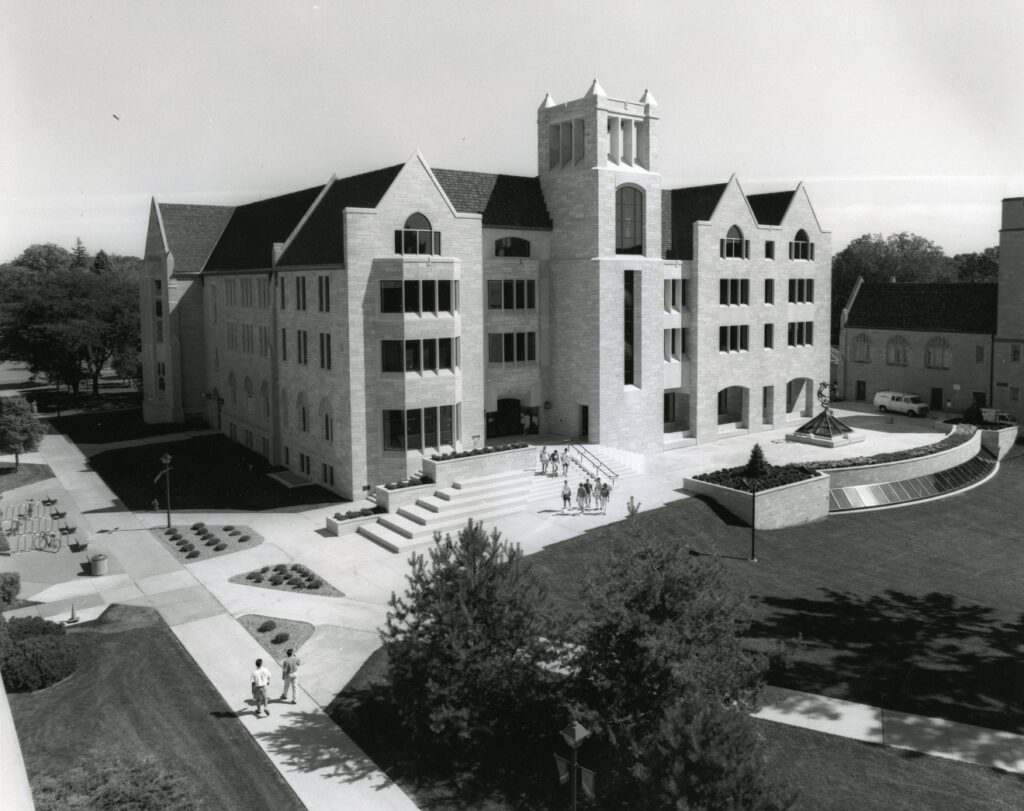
point(825, 429)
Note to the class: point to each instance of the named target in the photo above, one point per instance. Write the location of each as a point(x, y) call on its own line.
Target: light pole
point(753, 520)
point(166, 459)
point(574, 734)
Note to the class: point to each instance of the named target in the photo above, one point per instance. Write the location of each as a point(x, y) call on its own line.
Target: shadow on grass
point(930, 654)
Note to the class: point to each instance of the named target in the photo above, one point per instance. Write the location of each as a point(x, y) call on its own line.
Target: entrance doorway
point(507, 420)
point(584, 422)
point(935, 403)
point(862, 390)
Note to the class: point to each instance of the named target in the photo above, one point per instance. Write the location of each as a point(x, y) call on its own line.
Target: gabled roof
point(680, 209)
point(321, 239)
point(770, 208)
point(503, 200)
point(925, 307)
point(192, 232)
point(248, 240)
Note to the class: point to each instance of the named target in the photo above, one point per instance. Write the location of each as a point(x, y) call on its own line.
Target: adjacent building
point(348, 329)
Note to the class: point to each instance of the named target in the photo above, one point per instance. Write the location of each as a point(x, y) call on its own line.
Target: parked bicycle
point(47, 542)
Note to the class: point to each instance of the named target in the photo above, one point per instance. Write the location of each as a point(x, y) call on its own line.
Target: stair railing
point(585, 457)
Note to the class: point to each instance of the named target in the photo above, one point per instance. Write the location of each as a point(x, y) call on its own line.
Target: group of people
point(551, 463)
point(260, 681)
point(589, 495)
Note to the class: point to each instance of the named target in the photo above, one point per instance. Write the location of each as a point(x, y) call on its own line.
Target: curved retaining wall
point(785, 506)
point(998, 442)
point(17, 796)
point(907, 468)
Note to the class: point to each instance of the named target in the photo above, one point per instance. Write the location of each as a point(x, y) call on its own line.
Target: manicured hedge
point(363, 513)
point(409, 483)
point(35, 653)
point(10, 585)
point(443, 457)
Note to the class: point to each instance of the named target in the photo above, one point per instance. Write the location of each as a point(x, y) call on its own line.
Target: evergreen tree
point(757, 465)
point(101, 262)
point(464, 642)
point(79, 256)
point(20, 431)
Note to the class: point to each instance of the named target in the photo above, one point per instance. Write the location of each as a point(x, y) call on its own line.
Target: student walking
point(554, 463)
point(544, 460)
point(290, 674)
point(259, 679)
point(525, 422)
point(606, 492)
point(588, 493)
point(565, 462)
point(566, 497)
point(581, 496)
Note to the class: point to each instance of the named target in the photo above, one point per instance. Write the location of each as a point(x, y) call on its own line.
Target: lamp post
point(753, 520)
point(574, 734)
point(166, 459)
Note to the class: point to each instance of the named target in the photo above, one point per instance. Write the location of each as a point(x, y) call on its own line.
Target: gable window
point(860, 351)
point(801, 247)
point(734, 246)
point(417, 237)
point(512, 246)
point(629, 220)
point(897, 351)
point(937, 354)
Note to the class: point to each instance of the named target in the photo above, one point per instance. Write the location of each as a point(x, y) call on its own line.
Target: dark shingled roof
point(925, 307)
point(321, 240)
point(771, 207)
point(248, 240)
point(686, 206)
point(503, 200)
point(192, 232)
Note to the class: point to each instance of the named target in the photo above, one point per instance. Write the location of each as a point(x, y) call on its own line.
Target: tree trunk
point(17, 461)
point(96, 383)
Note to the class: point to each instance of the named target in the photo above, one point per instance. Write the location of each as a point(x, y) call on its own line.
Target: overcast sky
point(898, 115)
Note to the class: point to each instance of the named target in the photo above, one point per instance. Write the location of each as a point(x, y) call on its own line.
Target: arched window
point(801, 247)
point(249, 402)
point(629, 220)
point(417, 237)
point(512, 246)
point(327, 420)
point(860, 349)
point(937, 354)
point(897, 351)
point(734, 246)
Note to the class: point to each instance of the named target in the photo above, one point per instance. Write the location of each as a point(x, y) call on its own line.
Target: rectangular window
point(446, 425)
point(670, 406)
point(390, 297)
point(769, 249)
point(494, 354)
point(531, 346)
point(300, 292)
point(430, 427)
point(734, 291)
point(509, 295)
point(325, 350)
point(429, 296)
point(801, 333)
point(1014, 394)
point(493, 294)
point(520, 294)
point(323, 293)
point(391, 356)
point(769, 291)
point(430, 355)
point(682, 293)
point(734, 338)
point(769, 336)
point(628, 326)
point(412, 297)
point(510, 347)
point(520, 346)
point(394, 430)
point(554, 146)
point(979, 354)
point(531, 294)
point(444, 296)
point(284, 344)
point(412, 356)
point(1015, 353)
point(413, 429)
point(444, 354)
point(673, 344)
point(281, 283)
point(303, 352)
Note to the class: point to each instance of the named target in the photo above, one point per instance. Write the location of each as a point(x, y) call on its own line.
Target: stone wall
point(906, 469)
point(447, 472)
point(999, 442)
point(787, 506)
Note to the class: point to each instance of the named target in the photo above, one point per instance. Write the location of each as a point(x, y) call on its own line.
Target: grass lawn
point(207, 473)
point(25, 474)
point(831, 773)
point(110, 426)
point(137, 693)
point(918, 608)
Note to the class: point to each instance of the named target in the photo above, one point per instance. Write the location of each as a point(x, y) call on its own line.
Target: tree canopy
point(20, 430)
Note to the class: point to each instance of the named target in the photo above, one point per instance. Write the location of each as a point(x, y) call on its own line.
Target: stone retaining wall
point(392, 500)
point(447, 472)
point(907, 468)
point(779, 507)
point(999, 441)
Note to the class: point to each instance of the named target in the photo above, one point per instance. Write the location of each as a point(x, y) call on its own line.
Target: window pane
point(494, 347)
point(531, 346)
point(417, 221)
point(429, 295)
point(430, 354)
point(412, 356)
point(531, 294)
point(493, 295)
point(412, 297)
point(391, 356)
point(430, 427)
point(409, 244)
point(398, 241)
point(391, 297)
point(520, 294)
point(394, 430)
point(509, 341)
point(444, 297)
point(413, 429)
point(444, 354)
point(437, 243)
point(446, 425)
point(509, 299)
point(423, 241)
point(520, 346)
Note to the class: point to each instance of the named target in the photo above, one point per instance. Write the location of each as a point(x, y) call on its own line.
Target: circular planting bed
point(200, 541)
point(294, 578)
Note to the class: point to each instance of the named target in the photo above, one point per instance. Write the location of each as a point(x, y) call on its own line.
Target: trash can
point(98, 564)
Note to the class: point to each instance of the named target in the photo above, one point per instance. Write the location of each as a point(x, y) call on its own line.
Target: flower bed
point(343, 523)
point(409, 482)
point(513, 446)
point(266, 629)
point(483, 462)
point(777, 476)
point(201, 541)
point(294, 578)
point(797, 502)
point(958, 436)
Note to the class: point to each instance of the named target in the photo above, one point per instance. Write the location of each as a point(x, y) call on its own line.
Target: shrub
point(193, 554)
point(314, 584)
point(280, 639)
point(198, 525)
point(25, 627)
point(244, 539)
point(143, 785)
point(757, 465)
point(220, 547)
point(211, 542)
point(281, 568)
point(265, 569)
point(267, 626)
point(296, 581)
point(276, 580)
point(234, 533)
point(258, 578)
point(252, 575)
point(187, 547)
point(366, 511)
point(228, 527)
point(36, 662)
point(10, 585)
point(338, 517)
point(176, 536)
point(181, 542)
point(170, 531)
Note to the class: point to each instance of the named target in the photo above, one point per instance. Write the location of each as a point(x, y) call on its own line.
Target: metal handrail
point(600, 466)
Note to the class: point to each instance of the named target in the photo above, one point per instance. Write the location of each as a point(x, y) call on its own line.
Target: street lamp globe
point(166, 459)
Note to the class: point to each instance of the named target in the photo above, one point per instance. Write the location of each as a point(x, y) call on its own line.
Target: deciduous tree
point(20, 431)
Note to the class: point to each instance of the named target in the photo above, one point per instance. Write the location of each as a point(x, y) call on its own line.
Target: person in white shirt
point(260, 680)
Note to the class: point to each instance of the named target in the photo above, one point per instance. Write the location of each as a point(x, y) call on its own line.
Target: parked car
point(900, 402)
point(997, 417)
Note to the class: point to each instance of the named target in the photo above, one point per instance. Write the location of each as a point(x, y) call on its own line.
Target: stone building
point(951, 344)
point(348, 329)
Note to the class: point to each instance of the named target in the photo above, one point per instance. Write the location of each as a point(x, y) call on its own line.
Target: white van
point(900, 402)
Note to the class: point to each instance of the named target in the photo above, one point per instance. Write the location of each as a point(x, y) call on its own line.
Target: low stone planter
point(906, 468)
point(786, 506)
point(998, 441)
point(448, 471)
point(403, 496)
point(350, 525)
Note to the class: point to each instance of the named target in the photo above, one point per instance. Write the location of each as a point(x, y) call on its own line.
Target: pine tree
point(79, 256)
point(465, 642)
point(757, 465)
point(101, 262)
point(20, 431)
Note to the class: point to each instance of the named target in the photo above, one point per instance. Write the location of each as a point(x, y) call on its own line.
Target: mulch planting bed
point(295, 578)
point(201, 541)
point(277, 635)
